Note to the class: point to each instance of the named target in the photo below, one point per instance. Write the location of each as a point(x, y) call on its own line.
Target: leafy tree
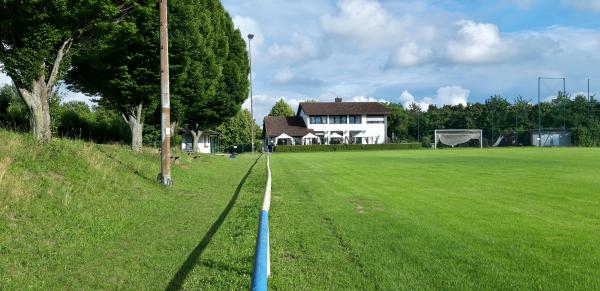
point(13, 112)
point(397, 122)
point(123, 67)
point(282, 108)
point(236, 130)
point(208, 61)
point(7, 95)
point(560, 110)
point(497, 109)
point(37, 39)
point(212, 81)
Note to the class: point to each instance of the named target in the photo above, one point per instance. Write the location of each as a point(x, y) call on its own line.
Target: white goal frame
point(437, 133)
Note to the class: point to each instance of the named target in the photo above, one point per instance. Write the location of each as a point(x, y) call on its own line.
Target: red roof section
point(292, 126)
point(343, 108)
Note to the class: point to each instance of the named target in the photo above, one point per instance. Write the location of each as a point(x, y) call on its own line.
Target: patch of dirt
point(288, 256)
point(360, 209)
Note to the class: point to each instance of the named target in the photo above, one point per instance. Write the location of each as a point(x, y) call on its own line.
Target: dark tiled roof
point(292, 126)
point(343, 108)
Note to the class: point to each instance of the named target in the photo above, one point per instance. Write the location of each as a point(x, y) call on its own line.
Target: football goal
point(454, 137)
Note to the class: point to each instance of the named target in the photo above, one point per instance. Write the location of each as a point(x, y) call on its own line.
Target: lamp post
point(165, 154)
point(250, 37)
point(540, 104)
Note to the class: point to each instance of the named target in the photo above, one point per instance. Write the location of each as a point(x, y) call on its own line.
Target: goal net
point(453, 137)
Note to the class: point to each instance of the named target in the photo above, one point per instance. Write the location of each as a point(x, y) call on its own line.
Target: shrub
point(347, 147)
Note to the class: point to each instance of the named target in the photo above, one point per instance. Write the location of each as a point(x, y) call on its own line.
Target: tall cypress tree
point(207, 58)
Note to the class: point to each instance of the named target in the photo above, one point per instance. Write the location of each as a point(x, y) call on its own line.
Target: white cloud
point(447, 95)
point(415, 37)
point(479, 43)
point(406, 99)
point(301, 48)
point(69, 96)
point(263, 103)
point(363, 21)
point(583, 4)
point(411, 54)
point(367, 99)
point(370, 38)
point(284, 75)
point(452, 95)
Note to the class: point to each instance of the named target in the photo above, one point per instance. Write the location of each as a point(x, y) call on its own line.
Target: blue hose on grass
point(260, 272)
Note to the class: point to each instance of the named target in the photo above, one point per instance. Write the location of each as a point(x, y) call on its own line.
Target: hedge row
point(347, 147)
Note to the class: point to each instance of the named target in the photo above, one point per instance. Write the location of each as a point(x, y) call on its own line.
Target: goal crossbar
point(453, 137)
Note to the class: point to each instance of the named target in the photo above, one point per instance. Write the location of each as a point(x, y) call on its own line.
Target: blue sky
point(427, 51)
point(437, 51)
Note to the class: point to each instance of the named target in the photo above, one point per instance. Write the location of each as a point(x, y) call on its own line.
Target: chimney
point(338, 100)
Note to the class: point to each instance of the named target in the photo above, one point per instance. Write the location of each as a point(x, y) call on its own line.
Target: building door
point(214, 141)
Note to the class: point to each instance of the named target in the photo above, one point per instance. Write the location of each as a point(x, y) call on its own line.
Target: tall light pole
point(165, 154)
point(250, 37)
point(540, 104)
point(589, 103)
point(539, 113)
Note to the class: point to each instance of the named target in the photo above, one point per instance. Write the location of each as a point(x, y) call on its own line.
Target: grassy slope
point(448, 219)
point(77, 215)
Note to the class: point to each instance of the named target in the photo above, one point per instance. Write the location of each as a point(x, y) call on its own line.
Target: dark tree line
point(498, 116)
point(110, 49)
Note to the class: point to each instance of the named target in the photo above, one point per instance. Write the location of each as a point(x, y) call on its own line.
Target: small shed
point(208, 142)
point(551, 138)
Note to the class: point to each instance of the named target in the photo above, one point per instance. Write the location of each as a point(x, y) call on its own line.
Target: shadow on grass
point(125, 165)
point(177, 280)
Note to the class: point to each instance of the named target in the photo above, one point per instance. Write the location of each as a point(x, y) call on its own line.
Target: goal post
point(453, 137)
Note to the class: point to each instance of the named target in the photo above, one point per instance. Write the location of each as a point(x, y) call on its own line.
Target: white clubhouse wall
point(203, 143)
point(370, 129)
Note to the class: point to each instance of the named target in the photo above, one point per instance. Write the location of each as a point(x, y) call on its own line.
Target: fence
point(262, 259)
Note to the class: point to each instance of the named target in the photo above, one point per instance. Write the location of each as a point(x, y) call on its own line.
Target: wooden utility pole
point(165, 165)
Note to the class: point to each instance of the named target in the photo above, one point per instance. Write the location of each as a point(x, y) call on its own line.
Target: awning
point(335, 135)
point(310, 135)
point(284, 136)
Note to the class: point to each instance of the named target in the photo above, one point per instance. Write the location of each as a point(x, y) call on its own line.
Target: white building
point(330, 123)
point(207, 142)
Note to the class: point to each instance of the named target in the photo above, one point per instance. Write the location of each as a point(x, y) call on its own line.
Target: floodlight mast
point(165, 165)
point(589, 103)
point(540, 104)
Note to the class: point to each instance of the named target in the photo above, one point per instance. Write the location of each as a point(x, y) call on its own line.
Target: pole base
point(165, 182)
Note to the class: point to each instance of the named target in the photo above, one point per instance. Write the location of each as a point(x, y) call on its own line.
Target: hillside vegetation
point(77, 215)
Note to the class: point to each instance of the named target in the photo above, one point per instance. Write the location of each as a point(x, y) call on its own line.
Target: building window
point(338, 119)
point(375, 119)
point(355, 119)
point(318, 119)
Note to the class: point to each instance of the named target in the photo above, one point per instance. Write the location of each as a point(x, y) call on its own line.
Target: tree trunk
point(37, 98)
point(134, 120)
point(195, 137)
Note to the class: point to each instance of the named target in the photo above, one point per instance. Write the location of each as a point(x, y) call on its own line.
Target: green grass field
point(76, 215)
point(448, 219)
